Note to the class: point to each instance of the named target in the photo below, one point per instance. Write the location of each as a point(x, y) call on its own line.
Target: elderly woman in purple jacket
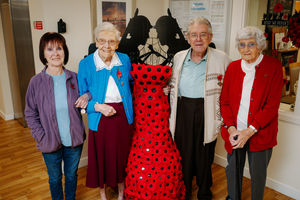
point(52, 113)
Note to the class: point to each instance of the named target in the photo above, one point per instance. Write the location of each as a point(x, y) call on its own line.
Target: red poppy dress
point(154, 169)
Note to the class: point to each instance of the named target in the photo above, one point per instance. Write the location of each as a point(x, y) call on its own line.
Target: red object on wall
point(38, 25)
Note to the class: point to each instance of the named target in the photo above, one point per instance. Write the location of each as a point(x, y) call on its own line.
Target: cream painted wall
point(152, 9)
point(76, 14)
point(6, 106)
point(256, 8)
point(238, 19)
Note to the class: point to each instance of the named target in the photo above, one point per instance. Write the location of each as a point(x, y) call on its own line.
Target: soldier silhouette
point(136, 33)
point(169, 33)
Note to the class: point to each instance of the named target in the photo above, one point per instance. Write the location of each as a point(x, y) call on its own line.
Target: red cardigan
point(264, 102)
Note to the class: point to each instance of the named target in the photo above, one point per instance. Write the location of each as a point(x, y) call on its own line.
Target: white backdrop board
point(218, 12)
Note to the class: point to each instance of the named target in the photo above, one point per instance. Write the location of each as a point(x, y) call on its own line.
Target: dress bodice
point(149, 78)
point(148, 92)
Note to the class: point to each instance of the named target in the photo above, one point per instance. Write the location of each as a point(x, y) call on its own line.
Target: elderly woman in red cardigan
point(249, 103)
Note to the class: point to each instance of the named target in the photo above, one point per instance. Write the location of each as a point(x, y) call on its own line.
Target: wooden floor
point(23, 173)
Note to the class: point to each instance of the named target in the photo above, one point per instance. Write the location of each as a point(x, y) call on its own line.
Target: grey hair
point(251, 32)
point(200, 20)
point(106, 26)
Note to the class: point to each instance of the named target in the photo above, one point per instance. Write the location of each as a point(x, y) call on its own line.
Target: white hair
point(200, 20)
point(251, 32)
point(106, 26)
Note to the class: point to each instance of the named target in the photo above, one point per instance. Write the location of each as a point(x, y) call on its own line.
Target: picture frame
point(287, 6)
point(118, 12)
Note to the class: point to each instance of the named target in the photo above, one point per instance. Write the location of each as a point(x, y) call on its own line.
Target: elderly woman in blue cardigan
point(105, 75)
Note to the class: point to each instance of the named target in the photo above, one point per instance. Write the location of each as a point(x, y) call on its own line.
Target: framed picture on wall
point(118, 12)
point(284, 6)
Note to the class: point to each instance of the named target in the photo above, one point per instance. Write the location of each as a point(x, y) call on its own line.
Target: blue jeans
point(71, 157)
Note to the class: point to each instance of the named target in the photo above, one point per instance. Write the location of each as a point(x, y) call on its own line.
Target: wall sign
point(38, 25)
point(216, 11)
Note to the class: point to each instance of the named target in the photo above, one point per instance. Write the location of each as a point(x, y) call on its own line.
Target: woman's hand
point(233, 135)
point(242, 137)
point(105, 109)
point(82, 101)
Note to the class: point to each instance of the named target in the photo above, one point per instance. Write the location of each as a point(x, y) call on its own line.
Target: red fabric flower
point(285, 39)
point(278, 7)
point(266, 35)
point(291, 60)
point(72, 86)
point(119, 74)
point(275, 53)
point(294, 29)
point(219, 77)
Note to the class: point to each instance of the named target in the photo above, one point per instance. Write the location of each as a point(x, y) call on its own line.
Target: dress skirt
point(108, 149)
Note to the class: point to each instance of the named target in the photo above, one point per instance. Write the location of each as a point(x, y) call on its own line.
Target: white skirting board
point(271, 183)
point(6, 117)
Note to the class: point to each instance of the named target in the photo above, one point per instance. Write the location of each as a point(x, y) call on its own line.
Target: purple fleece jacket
point(40, 112)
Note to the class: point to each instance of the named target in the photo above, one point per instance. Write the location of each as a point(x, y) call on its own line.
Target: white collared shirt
point(112, 91)
point(249, 70)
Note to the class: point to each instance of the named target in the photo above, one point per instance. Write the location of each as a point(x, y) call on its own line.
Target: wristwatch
point(253, 128)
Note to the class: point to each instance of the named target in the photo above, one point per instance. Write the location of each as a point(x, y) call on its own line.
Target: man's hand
point(167, 89)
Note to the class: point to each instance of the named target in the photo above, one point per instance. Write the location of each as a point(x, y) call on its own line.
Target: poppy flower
point(278, 7)
point(219, 77)
point(294, 29)
point(266, 35)
point(119, 74)
point(291, 60)
point(275, 53)
point(285, 39)
point(72, 86)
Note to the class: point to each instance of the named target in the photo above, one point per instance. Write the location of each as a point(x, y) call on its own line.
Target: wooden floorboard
point(23, 174)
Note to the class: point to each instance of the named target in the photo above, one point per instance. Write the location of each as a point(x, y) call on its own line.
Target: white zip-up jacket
point(216, 64)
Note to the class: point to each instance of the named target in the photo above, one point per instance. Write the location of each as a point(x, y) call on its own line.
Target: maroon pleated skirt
point(108, 149)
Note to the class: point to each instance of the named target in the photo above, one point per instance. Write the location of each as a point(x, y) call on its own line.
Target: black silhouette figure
point(136, 33)
point(92, 48)
point(212, 45)
point(169, 33)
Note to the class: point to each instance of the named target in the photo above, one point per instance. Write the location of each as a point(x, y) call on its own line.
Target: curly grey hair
point(200, 20)
point(106, 26)
point(251, 32)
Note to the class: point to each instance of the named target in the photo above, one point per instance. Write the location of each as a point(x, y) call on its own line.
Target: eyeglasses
point(110, 42)
point(250, 45)
point(195, 36)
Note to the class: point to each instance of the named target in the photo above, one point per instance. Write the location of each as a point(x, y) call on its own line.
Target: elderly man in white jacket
point(195, 118)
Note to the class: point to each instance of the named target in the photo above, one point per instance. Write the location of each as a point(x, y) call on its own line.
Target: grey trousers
point(258, 163)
